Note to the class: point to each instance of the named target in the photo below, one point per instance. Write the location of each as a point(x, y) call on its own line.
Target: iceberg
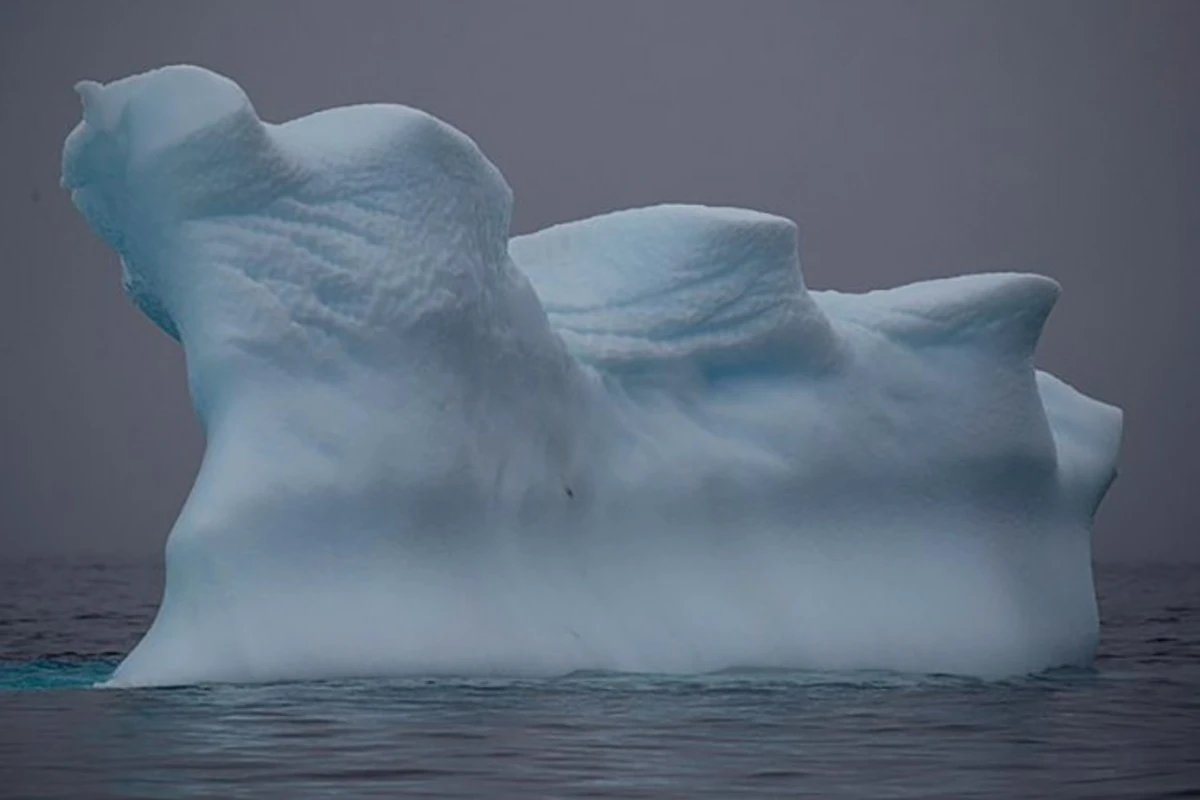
point(636, 442)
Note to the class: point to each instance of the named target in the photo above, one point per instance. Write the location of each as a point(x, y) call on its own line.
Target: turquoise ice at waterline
point(632, 443)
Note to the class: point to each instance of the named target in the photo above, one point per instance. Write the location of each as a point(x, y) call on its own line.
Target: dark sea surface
point(1130, 727)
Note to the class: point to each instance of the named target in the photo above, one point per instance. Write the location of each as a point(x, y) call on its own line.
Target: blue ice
point(636, 442)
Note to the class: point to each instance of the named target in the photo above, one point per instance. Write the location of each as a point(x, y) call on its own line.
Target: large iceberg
point(635, 442)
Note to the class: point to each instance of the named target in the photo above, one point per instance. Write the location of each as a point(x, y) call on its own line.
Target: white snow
point(633, 442)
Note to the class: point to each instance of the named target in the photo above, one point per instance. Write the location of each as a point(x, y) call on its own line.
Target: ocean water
point(1129, 727)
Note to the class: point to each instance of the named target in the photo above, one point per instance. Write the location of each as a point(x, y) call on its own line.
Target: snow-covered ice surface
point(635, 442)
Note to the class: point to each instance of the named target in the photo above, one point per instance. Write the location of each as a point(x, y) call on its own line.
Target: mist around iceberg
point(635, 442)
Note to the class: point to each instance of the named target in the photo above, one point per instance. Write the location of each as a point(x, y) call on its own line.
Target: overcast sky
point(909, 140)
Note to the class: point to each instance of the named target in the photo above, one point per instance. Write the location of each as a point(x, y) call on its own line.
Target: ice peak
point(672, 283)
point(1003, 313)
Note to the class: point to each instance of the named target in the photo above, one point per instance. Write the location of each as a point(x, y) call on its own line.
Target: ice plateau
point(635, 442)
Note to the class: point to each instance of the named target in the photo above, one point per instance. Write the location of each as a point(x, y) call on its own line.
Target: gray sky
point(909, 140)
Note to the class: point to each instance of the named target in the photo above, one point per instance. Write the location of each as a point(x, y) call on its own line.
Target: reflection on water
point(1126, 729)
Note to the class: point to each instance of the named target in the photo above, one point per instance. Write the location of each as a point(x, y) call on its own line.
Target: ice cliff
point(633, 442)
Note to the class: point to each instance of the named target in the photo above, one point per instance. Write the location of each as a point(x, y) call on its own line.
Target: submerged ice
point(632, 442)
